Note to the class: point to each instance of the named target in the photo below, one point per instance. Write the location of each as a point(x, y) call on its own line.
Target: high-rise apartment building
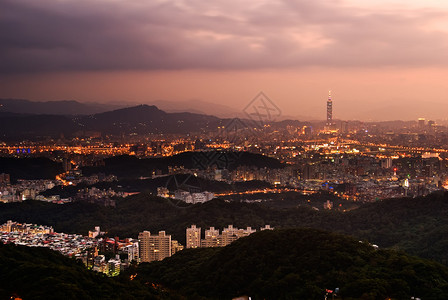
point(231, 234)
point(176, 247)
point(193, 238)
point(153, 247)
point(212, 238)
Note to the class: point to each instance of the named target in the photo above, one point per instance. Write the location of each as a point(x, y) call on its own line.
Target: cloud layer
point(84, 35)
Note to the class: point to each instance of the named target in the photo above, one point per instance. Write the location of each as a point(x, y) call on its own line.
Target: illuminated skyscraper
point(329, 110)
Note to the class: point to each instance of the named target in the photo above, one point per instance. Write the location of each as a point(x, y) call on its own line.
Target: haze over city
point(382, 60)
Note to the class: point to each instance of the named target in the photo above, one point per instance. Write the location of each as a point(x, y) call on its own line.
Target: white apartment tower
point(212, 238)
point(153, 247)
point(193, 238)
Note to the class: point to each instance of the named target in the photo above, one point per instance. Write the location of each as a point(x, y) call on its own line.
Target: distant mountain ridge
point(198, 106)
point(23, 119)
point(147, 119)
point(60, 107)
point(142, 119)
point(73, 107)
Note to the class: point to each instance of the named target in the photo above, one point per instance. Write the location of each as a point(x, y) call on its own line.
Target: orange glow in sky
point(382, 60)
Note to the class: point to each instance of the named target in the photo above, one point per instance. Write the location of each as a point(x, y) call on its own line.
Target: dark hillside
point(299, 264)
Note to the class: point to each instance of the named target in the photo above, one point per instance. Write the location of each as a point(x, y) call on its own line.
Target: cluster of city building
point(361, 161)
point(75, 177)
point(91, 249)
point(353, 172)
point(281, 176)
point(121, 253)
point(24, 189)
point(32, 189)
point(362, 175)
point(147, 248)
point(193, 198)
point(213, 238)
point(186, 196)
point(356, 175)
point(157, 247)
point(373, 177)
point(84, 248)
point(44, 236)
point(98, 196)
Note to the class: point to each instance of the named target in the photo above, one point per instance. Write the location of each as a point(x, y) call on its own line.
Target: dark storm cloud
point(51, 35)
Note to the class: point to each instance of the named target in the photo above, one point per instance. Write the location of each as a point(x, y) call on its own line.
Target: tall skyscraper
point(329, 110)
point(193, 239)
point(153, 247)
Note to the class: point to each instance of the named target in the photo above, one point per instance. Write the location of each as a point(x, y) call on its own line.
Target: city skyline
point(265, 149)
point(382, 61)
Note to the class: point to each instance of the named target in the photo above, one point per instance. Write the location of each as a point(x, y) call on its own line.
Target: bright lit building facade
point(154, 247)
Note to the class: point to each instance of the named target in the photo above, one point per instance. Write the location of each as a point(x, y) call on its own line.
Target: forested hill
point(419, 226)
point(30, 168)
point(298, 264)
point(39, 273)
point(141, 119)
point(131, 166)
point(126, 166)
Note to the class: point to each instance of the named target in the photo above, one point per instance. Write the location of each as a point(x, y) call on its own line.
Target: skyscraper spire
point(329, 110)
